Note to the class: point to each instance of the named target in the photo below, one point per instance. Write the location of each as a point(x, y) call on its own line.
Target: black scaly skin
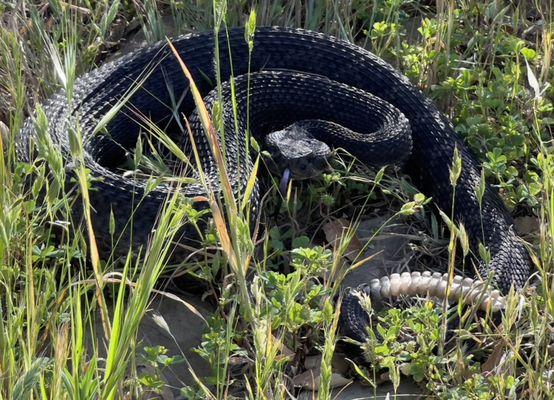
point(331, 112)
point(433, 136)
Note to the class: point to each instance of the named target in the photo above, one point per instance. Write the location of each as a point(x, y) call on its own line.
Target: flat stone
point(180, 336)
point(137, 40)
point(171, 324)
point(388, 248)
point(356, 391)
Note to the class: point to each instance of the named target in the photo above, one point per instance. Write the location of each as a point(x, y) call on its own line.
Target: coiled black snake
point(343, 67)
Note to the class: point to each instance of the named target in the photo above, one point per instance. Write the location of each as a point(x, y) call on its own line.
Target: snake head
point(295, 149)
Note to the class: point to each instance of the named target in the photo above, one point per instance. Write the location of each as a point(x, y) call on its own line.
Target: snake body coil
point(341, 67)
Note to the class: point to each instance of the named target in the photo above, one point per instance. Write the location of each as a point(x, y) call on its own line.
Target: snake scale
point(309, 64)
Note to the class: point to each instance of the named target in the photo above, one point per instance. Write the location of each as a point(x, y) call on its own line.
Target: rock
point(177, 327)
point(527, 225)
point(136, 40)
point(356, 391)
point(389, 249)
point(183, 333)
point(311, 378)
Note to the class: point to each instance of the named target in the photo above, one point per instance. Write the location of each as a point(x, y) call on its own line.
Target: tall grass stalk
point(65, 67)
point(126, 320)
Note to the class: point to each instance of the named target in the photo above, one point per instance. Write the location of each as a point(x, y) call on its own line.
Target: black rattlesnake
point(433, 138)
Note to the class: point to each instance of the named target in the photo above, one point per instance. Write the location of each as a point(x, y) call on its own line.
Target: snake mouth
point(312, 172)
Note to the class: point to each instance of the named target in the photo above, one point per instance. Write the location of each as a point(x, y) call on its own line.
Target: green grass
point(487, 64)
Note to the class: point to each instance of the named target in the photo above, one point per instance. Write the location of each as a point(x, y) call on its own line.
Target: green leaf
point(379, 175)
point(484, 253)
point(30, 379)
point(256, 146)
point(109, 17)
point(300, 241)
point(250, 185)
point(111, 227)
point(528, 53)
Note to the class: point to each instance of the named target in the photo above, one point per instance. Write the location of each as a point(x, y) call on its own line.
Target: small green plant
point(405, 342)
point(157, 360)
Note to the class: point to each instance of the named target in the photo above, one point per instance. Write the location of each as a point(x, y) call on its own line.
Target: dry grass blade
point(117, 277)
point(210, 131)
point(219, 219)
point(93, 248)
point(106, 118)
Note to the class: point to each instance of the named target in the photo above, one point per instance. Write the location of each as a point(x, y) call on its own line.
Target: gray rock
point(389, 248)
point(356, 391)
point(172, 324)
